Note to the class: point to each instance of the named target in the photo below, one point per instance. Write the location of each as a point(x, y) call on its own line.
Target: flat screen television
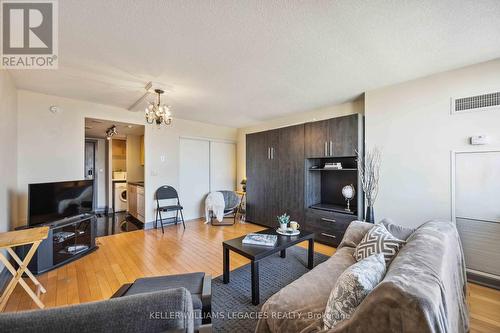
point(50, 202)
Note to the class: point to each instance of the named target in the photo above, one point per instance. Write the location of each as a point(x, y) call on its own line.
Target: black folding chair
point(164, 193)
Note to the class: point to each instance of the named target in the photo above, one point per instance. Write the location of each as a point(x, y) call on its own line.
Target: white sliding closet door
point(222, 166)
point(194, 182)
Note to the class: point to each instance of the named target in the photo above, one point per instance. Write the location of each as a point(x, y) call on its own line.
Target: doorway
point(114, 159)
point(90, 150)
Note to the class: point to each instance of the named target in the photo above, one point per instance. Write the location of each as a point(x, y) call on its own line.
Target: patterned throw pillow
point(378, 240)
point(351, 288)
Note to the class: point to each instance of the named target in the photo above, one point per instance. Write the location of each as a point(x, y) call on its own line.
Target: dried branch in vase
point(369, 171)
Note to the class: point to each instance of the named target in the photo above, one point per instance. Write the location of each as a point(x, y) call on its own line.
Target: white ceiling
point(96, 128)
point(237, 62)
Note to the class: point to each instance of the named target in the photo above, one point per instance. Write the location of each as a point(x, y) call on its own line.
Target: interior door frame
point(94, 173)
point(453, 158)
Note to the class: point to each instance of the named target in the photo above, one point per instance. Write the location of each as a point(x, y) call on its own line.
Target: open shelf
point(333, 208)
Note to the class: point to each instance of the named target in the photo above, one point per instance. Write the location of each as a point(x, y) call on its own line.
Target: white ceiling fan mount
point(149, 90)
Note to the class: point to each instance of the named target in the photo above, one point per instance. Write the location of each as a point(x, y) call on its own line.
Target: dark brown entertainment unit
point(68, 240)
point(285, 173)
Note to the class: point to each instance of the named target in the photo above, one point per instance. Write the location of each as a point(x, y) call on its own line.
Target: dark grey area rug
point(232, 303)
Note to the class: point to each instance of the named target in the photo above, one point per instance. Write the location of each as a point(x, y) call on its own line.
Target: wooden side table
point(8, 241)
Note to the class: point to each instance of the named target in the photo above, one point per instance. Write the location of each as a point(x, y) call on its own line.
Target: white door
point(477, 209)
point(194, 182)
point(222, 166)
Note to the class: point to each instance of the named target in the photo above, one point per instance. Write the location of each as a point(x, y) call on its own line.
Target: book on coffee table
point(260, 239)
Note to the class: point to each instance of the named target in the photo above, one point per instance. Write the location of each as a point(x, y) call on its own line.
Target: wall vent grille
point(476, 103)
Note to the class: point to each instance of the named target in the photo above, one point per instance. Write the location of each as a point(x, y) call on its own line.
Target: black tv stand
point(68, 240)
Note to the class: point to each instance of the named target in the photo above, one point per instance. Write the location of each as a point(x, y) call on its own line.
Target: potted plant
point(283, 221)
point(369, 173)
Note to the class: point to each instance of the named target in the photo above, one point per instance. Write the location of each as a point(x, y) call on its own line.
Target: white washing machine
point(120, 197)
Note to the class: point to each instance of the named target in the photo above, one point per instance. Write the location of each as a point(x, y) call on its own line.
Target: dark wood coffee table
point(256, 252)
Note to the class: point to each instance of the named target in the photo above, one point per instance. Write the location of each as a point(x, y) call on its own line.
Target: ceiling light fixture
point(110, 132)
point(158, 113)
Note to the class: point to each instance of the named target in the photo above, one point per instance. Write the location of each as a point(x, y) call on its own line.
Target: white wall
point(51, 146)
point(412, 124)
point(8, 151)
point(293, 119)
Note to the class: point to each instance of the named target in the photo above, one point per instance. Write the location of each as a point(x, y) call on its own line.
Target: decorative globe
point(348, 192)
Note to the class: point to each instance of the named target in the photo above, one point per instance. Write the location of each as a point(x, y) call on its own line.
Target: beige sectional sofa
point(423, 290)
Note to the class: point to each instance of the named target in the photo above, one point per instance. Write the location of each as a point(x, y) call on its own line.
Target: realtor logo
point(29, 34)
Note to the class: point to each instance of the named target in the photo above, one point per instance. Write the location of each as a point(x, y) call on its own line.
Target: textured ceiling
point(96, 128)
point(237, 62)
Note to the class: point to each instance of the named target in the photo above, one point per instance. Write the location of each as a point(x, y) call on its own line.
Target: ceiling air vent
point(476, 103)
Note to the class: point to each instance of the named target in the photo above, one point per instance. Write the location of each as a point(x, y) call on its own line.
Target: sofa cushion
point(397, 230)
point(355, 233)
point(300, 305)
point(378, 240)
point(352, 287)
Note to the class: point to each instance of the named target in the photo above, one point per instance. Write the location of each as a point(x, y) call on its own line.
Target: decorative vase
point(283, 226)
point(369, 217)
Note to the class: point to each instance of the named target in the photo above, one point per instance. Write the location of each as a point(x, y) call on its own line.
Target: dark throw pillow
point(378, 240)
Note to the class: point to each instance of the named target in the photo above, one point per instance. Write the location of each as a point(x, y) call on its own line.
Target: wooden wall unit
point(332, 138)
point(280, 178)
point(262, 168)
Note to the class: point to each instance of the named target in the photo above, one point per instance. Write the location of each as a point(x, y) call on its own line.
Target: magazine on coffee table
point(260, 239)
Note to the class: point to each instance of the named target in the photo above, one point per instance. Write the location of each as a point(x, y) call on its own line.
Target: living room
point(359, 139)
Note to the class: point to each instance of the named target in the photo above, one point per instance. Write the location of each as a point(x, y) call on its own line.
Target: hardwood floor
point(122, 258)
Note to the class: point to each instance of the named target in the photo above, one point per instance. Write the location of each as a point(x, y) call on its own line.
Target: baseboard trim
point(103, 210)
point(483, 280)
point(168, 221)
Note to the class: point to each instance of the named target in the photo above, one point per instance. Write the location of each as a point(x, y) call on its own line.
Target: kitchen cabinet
point(135, 201)
point(142, 150)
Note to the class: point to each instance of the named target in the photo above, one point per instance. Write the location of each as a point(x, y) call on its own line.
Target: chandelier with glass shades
point(158, 113)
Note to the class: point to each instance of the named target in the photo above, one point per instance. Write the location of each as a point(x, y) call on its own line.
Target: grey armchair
point(163, 311)
point(231, 201)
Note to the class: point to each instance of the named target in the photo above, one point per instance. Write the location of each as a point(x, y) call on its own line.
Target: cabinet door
point(257, 161)
point(142, 159)
point(271, 179)
point(140, 204)
point(343, 136)
point(316, 139)
point(290, 154)
point(132, 200)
